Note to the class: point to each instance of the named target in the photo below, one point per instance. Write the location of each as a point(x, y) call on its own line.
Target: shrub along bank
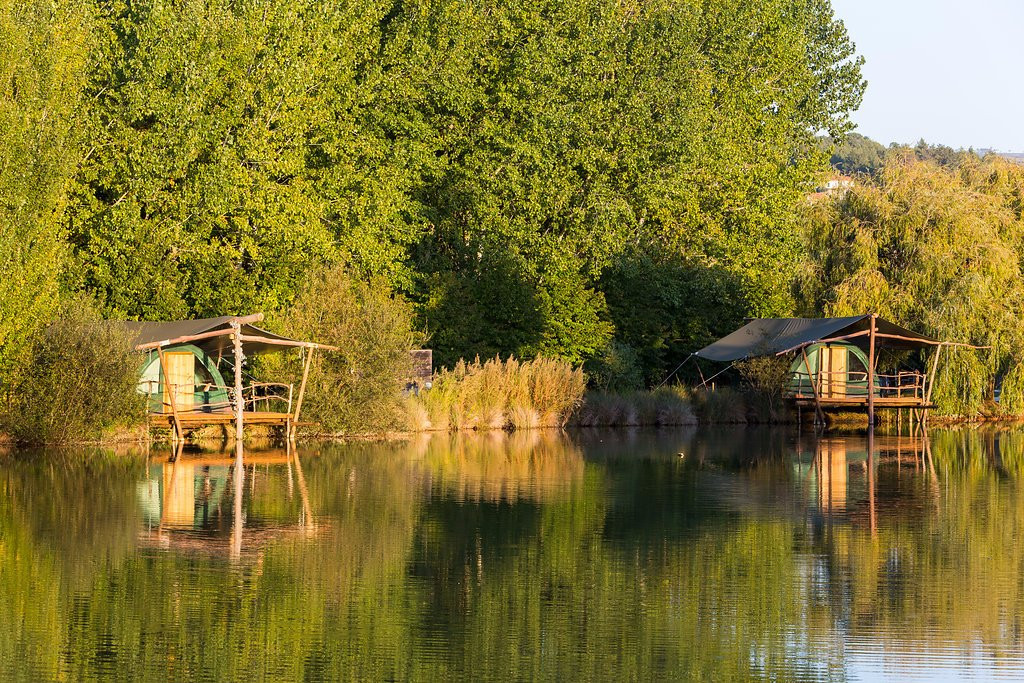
point(76, 381)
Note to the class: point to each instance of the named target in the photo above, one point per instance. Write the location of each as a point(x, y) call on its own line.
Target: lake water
point(726, 554)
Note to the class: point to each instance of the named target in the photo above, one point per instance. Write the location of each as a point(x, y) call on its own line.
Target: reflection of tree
point(574, 559)
point(535, 465)
point(65, 519)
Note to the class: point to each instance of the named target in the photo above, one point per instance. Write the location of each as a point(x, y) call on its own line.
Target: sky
point(948, 71)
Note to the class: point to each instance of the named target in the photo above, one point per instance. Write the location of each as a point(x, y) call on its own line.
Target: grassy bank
point(497, 394)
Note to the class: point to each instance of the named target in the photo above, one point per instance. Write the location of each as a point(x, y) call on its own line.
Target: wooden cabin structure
point(834, 362)
point(183, 375)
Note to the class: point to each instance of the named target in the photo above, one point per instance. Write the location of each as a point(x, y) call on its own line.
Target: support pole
point(931, 378)
point(178, 432)
point(302, 391)
point(238, 520)
point(871, 373)
point(819, 416)
point(236, 341)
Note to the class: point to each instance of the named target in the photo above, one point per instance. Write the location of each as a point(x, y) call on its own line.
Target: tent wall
point(203, 398)
point(826, 358)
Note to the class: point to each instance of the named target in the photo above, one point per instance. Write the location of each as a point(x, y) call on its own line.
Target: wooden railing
point(256, 397)
point(903, 384)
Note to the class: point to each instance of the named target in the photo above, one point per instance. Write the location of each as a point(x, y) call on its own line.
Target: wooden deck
point(198, 419)
point(859, 402)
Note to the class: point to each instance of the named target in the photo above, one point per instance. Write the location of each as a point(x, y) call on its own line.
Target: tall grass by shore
point(497, 394)
point(662, 407)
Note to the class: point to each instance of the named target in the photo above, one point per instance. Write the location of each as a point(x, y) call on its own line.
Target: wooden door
point(181, 377)
point(836, 367)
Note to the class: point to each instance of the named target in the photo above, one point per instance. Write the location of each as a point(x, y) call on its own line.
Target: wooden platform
point(197, 419)
point(861, 402)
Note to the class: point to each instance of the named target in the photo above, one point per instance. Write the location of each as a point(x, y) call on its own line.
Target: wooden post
point(307, 510)
point(819, 416)
point(302, 391)
point(931, 383)
point(236, 340)
point(178, 432)
point(871, 373)
point(931, 379)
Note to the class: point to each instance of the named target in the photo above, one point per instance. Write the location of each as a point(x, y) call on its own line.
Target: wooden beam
point(236, 340)
point(828, 340)
point(287, 342)
point(302, 391)
point(182, 340)
point(871, 374)
point(248, 319)
point(179, 433)
point(881, 335)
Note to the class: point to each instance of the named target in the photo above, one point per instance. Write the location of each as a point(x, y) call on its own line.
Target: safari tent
point(834, 361)
point(186, 362)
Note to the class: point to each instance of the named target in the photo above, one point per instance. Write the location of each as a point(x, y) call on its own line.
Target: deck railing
point(256, 397)
point(902, 384)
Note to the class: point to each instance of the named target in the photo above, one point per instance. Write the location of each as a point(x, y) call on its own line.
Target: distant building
point(836, 184)
point(832, 185)
point(422, 370)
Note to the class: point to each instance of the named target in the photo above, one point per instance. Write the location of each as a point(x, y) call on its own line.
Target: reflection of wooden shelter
point(183, 476)
point(835, 361)
point(832, 469)
point(182, 376)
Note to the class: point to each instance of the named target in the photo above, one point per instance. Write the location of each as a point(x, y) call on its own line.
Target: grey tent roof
point(144, 332)
point(770, 336)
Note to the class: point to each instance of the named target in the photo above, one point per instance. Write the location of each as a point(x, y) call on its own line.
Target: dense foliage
point(357, 387)
point(43, 52)
point(856, 155)
point(940, 249)
point(610, 183)
point(79, 381)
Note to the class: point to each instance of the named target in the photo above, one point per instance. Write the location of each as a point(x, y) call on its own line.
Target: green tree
point(856, 154)
point(591, 130)
point(356, 388)
point(228, 157)
point(43, 51)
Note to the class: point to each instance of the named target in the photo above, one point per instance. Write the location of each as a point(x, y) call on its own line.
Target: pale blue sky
point(950, 71)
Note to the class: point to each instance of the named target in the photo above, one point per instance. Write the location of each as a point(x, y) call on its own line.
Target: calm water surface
point(673, 555)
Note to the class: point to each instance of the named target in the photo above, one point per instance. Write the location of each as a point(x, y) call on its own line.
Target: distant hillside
point(858, 154)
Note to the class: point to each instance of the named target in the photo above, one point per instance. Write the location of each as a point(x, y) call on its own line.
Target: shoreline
point(138, 437)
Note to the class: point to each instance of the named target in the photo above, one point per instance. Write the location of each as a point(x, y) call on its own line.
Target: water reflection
point(196, 500)
point(727, 554)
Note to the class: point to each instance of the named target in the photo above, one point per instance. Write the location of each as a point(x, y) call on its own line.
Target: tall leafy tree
point(224, 160)
point(43, 50)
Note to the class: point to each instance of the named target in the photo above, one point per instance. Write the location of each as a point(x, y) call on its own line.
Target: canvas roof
point(144, 332)
point(771, 336)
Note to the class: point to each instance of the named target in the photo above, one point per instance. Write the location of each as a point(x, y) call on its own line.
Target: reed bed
point(667, 406)
point(497, 394)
